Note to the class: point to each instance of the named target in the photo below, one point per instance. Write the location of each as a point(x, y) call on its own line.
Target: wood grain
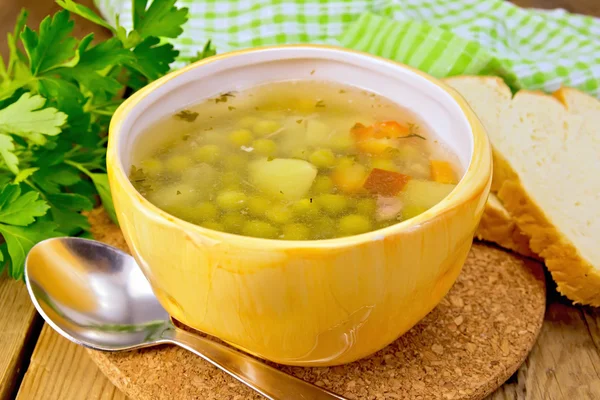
point(17, 329)
point(564, 363)
point(589, 7)
point(61, 370)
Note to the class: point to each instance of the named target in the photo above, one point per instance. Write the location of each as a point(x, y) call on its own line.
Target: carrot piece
point(349, 178)
point(366, 142)
point(442, 172)
point(390, 130)
point(385, 183)
point(360, 132)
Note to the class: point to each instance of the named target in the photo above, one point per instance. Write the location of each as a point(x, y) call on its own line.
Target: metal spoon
point(96, 295)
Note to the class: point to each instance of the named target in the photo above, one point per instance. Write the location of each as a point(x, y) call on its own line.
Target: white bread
point(498, 226)
point(546, 164)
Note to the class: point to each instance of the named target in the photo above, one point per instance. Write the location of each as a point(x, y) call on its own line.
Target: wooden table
point(37, 363)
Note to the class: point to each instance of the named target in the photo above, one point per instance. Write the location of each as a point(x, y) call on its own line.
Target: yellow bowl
point(304, 303)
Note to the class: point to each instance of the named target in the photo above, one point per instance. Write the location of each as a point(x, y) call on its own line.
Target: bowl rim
point(474, 181)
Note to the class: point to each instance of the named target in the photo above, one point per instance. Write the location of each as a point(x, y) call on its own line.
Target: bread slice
point(546, 164)
point(498, 226)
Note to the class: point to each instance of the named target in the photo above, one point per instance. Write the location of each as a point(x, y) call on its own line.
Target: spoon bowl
point(96, 295)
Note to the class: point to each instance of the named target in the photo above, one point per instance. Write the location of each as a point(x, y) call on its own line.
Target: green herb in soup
point(297, 160)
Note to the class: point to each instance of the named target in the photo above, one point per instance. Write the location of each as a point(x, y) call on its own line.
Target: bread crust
point(576, 278)
point(498, 226)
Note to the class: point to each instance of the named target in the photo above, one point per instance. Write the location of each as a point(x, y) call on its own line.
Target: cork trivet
point(464, 349)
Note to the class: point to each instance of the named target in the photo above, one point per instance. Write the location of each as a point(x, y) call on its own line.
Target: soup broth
point(295, 160)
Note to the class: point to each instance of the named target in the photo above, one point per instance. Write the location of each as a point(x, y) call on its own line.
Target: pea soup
point(293, 160)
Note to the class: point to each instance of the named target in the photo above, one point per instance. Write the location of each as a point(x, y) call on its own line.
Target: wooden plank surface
point(62, 370)
point(17, 328)
point(564, 364)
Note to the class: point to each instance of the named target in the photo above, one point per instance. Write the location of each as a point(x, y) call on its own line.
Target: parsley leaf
point(93, 61)
point(27, 118)
point(20, 239)
point(161, 19)
point(57, 96)
point(17, 209)
point(101, 183)
point(7, 148)
point(53, 46)
point(84, 12)
point(152, 58)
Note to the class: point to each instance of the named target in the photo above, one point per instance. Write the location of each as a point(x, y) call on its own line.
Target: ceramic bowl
point(303, 303)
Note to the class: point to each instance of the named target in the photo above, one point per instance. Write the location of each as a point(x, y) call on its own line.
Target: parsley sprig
point(57, 95)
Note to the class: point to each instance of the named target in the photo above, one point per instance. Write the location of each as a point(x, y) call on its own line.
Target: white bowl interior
point(426, 100)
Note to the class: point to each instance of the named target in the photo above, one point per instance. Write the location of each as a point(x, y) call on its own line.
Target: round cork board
point(465, 348)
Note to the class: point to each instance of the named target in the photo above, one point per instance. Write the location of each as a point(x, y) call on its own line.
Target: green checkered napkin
point(529, 48)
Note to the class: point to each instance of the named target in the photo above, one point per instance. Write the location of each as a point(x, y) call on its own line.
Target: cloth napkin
point(528, 48)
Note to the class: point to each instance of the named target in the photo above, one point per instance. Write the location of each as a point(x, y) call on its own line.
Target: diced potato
point(442, 172)
point(317, 133)
point(349, 178)
point(171, 198)
point(386, 183)
point(285, 178)
point(200, 176)
point(425, 194)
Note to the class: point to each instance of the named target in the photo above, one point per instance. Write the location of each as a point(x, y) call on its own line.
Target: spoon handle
point(268, 381)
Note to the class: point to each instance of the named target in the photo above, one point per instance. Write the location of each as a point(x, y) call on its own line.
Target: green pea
point(261, 229)
point(208, 153)
point(215, 226)
point(230, 180)
point(152, 166)
point(247, 122)
point(279, 214)
point(322, 158)
point(385, 164)
point(240, 137)
point(354, 224)
point(366, 206)
point(205, 211)
point(265, 127)
point(322, 184)
point(233, 222)
point(258, 206)
point(333, 204)
point(235, 161)
point(411, 211)
point(306, 208)
point(178, 163)
point(231, 200)
point(296, 232)
point(300, 154)
point(264, 147)
point(324, 228)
